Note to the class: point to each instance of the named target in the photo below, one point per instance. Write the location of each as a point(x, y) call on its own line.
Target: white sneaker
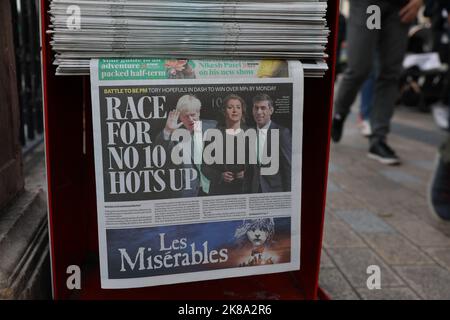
point(440, 114)
point(365, 128)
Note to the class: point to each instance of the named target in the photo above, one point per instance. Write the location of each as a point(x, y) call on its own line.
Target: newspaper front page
point(198, 168)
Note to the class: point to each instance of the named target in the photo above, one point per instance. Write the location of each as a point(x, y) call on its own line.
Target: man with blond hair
point(187, 112)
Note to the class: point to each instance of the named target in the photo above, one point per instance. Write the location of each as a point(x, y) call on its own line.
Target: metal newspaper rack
point(72, 200)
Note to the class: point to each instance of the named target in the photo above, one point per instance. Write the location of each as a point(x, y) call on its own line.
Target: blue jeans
point(367, 96)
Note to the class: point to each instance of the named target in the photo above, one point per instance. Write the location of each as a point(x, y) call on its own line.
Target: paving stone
point(411, 212)
point(430, 217)
point(376, 192)
point(422, 214)
point(328, 213)
point(332, 187)
point(430, 282)
point(418, 168)
point(325, 260)
point(423, 177)
point(335, 285)
point(400, 177)
point(333, 167)
point(346, 201)
point(415, 210)
point(402, 293)
point(338, 234)
point(441, 255)
point(420, 233)
point(349, 133)
point(353, 262)
point(423, 164)
point(341, 200)
point(364, 221)
point(396, 250)
point(426, 136)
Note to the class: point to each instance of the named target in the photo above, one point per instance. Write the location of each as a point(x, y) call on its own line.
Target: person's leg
point(392, 46)
point(360, 49)
point(367, 93)
point(440, 185)
point(391, 51)
point(441, 109)
point(340, 40)
point(448, 104)
point(366, 105)
point(446, 92)
point(367, 96)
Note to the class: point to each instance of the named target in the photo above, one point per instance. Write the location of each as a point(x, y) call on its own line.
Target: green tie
point(198, 146)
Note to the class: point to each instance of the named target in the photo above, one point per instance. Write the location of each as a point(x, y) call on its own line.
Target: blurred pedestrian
point(340, 42)
point(440, 186)
point(390, 43)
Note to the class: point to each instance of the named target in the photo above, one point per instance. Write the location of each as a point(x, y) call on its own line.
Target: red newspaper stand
point(72, 196)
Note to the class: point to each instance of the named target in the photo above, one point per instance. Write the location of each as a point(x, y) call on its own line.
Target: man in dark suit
point(188, 112)
point(281, 180)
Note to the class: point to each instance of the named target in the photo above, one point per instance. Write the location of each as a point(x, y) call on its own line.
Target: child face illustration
point(257, 236)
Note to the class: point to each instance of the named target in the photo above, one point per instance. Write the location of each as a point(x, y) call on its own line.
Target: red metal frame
point(72, 204)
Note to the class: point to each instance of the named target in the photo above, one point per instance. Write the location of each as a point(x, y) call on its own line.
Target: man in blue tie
point(263, 110)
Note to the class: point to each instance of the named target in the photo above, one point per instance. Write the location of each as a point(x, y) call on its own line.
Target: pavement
point(379, 215)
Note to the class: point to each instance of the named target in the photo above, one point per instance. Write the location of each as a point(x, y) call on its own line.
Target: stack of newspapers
point(212, 29)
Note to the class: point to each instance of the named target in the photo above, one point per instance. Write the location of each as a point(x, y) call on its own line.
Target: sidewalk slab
point(401, 293)
point(396, 250)
point(400, 177)
point(353, 262)
point(335, 285)
point(440, 255)
point(325, 260)
point(421, 234)
point(338, 234)
point(364, 221)
point(430, 282)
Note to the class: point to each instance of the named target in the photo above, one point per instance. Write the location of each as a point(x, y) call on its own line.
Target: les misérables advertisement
point(198, 168)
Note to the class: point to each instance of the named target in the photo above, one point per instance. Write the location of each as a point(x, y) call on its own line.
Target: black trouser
point(390, 42)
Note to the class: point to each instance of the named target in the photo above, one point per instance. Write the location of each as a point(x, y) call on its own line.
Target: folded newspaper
point(85, 29)
point(198, 168)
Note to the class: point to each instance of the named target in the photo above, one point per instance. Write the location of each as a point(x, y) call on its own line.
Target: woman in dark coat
point(229, 178)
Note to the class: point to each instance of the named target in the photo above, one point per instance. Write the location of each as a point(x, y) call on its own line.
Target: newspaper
point(86, 29)
point(198, 168)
